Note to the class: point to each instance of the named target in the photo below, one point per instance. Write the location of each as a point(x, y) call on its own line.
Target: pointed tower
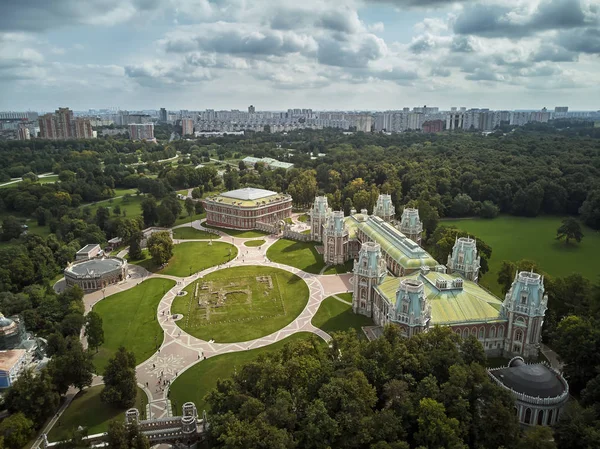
point(525, 305)
point(384, 208)
point(410, 224)
point(318, 217)
point(413, 311)
point(369, 271)
point(335, 239)
point(464, 260)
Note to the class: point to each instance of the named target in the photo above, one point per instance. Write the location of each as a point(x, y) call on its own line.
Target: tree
point(231, 180)
point(149, 211)
point(435, 428)
point(488, 210)
point(30, 176)
point(590, 210)
point(166, 219)
point(506, 275)
point(102, 216)
point(12, 228)
point(569, 229)
point(120, 388)
point(135, 246)
point(16, 430)
point(197, 192)
point(93, 330)
point(198, 208)
point(462, 205)
point(304, 187)
point(117, 210)
point(189, 208)
point(74, 367)
point(160, 247)
point(33, 395)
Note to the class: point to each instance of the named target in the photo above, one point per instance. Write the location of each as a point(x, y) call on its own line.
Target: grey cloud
point(461, 44)
point(341, 21)
point(441, 72)
point(497, 21)
point(484, 75)
point(344, 22)
point(585, 41)
point(553, 53)
point(420, 3)
point(334, 53)
point(397, 74)
point(421, 45)
point(291, 19)
point(236, 41)
point(40, 15)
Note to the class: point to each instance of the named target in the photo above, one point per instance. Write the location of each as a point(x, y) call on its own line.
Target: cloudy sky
point(279, 54)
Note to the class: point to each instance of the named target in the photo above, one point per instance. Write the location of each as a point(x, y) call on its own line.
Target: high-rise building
point(62, 125)
point(187, 126)
point(251, 109)
point(162, 116)
point(141, 131)
point(433, 126)
point(23, 133)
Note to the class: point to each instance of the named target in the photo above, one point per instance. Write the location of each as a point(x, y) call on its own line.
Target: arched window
point(520, 321)
point(501, 332)
point(481, 332)
point(519, 335)
point(465, 333)
point(540, 419)
point(474, 331)
point(549, 422)
point(527, 419)
point(493, 332)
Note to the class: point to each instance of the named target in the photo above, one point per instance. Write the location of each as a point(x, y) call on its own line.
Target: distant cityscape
point(139, 125)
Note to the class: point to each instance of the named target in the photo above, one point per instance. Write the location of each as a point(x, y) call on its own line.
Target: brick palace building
point(246, 208)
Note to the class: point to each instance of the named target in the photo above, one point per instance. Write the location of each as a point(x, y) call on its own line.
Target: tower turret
point(335, 239)
point(384, 208)
point(464, 259)
point(525, 306)
point(318, 217)
point(410, 224)
point(412, 311)
point(369, 271)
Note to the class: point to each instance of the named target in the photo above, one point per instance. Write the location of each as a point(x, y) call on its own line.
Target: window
point(549, 417)
point(493, 332)
point(527, 419)
point(523, 298)
point(405, 308)
point(501, 332)
point(519, 335)
point(465, 333)
point(540, 419)
point(481, 333)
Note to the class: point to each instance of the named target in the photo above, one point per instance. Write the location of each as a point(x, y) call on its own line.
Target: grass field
point(303, 218)
point(238, 233)
point(516, 238)
point(87, 410)
point(233, 305)
point(129, 319)
point(335, 316)
point(255, 242)
point(196, 382)
point(45, 180)
point(185, 218)
point(191, 257)
point(302, 255)
point(188, 233)
point(130, 207)
point(340, 269)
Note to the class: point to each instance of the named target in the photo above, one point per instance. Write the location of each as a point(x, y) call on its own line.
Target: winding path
point(180, 351)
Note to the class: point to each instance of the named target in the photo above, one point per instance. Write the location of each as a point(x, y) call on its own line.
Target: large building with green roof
point(397, 282)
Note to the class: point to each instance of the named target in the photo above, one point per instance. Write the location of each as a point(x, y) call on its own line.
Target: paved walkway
point(180, 350)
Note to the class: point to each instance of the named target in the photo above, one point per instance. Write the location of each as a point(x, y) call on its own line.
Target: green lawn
point(130, 207)
point(122, 191)
point(303, 218)
point(87, 410)
point(340, 269)
point(516, 238)
point(236, 305)
point(185, 218)
point(237, 232)
point(335, 316)
point(189, 233)
point(191, 257)
point(45, 180)
point(255, 242)
point(302, 255)
point(196, 382)
point(129, 319)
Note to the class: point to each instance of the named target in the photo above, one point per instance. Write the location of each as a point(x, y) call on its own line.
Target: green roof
point(402, 249)
point(471, 303)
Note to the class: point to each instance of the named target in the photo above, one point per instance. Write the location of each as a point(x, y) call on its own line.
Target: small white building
point(88, 252)
point(12, 363)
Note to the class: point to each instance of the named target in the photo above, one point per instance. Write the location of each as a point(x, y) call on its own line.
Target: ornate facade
point(464, 260)
point(384, 208)
point(95, 274)
point(397, 281)
point(410, 224)
point(247, 208)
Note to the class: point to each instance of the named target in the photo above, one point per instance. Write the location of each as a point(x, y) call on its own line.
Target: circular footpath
point(180, 350)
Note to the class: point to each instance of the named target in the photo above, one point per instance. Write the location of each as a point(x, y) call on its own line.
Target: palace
point(92, 271)
point(397, 281)
point(247, 208)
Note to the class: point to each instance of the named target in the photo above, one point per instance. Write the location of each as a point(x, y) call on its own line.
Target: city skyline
point(348, 55)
